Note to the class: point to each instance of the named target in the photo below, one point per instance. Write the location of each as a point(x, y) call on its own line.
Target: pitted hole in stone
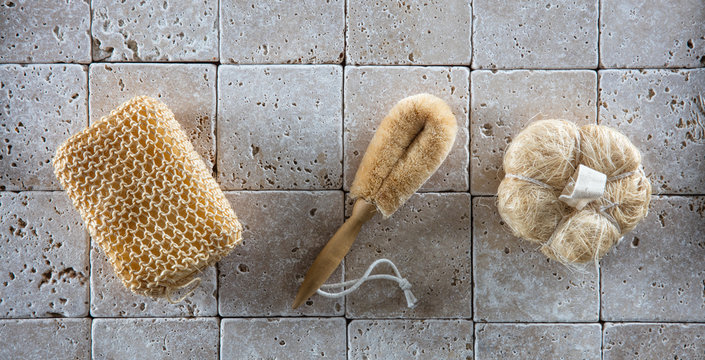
point(487, 130)
point(635, 242)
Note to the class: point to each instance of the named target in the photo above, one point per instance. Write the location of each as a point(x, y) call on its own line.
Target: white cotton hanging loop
point(404, 284)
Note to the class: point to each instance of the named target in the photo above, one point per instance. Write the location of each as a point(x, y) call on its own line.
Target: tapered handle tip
point(300, 298)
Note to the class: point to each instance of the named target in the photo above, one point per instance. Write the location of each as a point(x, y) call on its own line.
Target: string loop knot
point(354, 284)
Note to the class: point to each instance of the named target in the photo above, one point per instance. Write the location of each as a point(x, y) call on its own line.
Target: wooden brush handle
point(335, 250)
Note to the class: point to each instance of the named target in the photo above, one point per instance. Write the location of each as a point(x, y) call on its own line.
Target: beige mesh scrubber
point(575, 191)
point(147, 198)
point(408, 147)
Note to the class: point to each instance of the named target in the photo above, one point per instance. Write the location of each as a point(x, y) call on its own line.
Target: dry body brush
point(541, 164)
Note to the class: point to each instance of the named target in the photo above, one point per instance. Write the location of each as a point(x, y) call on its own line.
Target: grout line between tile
point(89, 246)
point(472, 38)
point(218, 30)
point(218, 63)
point(599, 33)
point(342, 159)
point(602, 340)
point(227, 191)
point(215, 175)
point(628, 321)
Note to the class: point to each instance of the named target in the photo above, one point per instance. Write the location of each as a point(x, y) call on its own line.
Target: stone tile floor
point(281, 99)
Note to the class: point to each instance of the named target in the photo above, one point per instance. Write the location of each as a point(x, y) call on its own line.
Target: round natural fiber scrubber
point(147, 198)
point(547, 166)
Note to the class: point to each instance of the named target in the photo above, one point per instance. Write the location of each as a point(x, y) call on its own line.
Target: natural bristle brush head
point(410, 144)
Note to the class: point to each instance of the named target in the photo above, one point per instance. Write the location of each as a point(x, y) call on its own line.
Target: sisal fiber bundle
point(542, 160)
point(147, 198)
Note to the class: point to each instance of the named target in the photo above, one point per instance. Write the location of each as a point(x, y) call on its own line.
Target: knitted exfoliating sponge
point(147, 198)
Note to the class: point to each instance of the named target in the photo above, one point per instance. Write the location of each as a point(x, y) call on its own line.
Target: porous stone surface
point(409, 32)
point(557, 34)
point(168, 30)
point(649, 34)
point(281, 338)
point(283, 232)
point(155, 338)
point(41, 31)
point(410, 339)
point(504, 102)
point(662, 112)
point(188, 91)
point(110, 298)
point(283, 125)
point(371, 91)
point(42, 105)
point(514, 281)
point(428, 239)
point(657, 272)
point(45, 339)
point(286, 32)
point(653, 341)
point(279, 127)
point(538, 341)
point(44, 251)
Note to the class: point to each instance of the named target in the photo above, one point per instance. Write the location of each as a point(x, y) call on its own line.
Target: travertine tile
point(370, 92)
point(279, 127)
point(155, 338)
point(558, 34)
point(287, 32)
point(514, 281)
point(654, 341)
point(283, 233)
point(428, 239)
point(188, 90)
point(42, 31)
point(663, 114)
point(657, 33)
point(110, 298)
point(45, 339)
point(656, 273)
point(504, 102)
point(537, 341)
point(410, 33)
point(40, 107)
point(282, 338)
point(44, 251)
point(410, 339)
point(166, 30)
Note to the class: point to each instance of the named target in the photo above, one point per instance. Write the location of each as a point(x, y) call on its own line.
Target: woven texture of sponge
point(147, 197)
